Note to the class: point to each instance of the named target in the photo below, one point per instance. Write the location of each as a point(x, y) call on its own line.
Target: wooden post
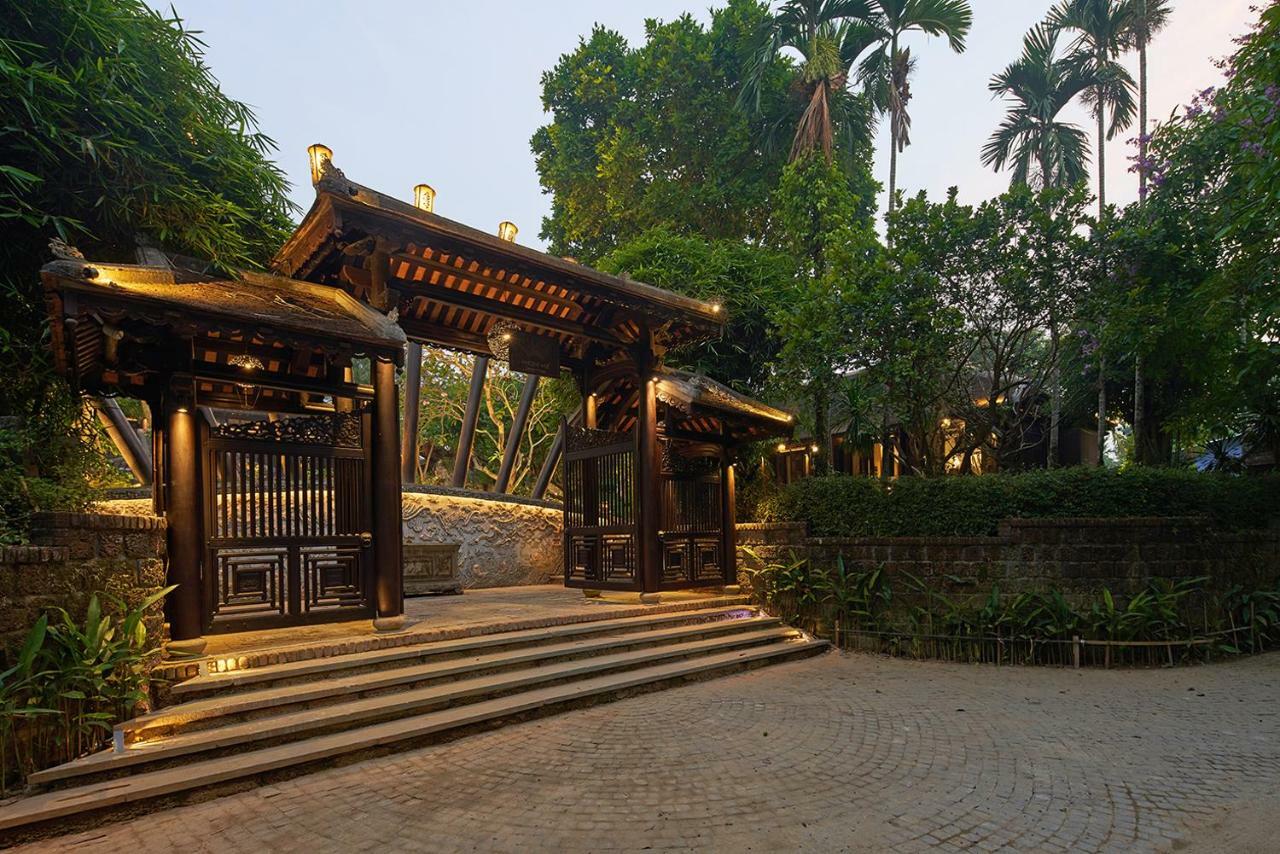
point(649, 547)
point(517, 431)
point(728, 520)
point(387, 553)
point(462, 460)
point(131, 449)
point(184, 607)
point(412, 404)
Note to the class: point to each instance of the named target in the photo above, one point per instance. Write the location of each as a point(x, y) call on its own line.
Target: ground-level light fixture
point(320, 156)
point(424, 198)
point(507, 231)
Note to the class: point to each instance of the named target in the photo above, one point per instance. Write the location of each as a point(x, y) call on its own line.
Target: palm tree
point(1149, 17)
point(1044, 151)
point(1103, 32)
point(886, 72)
point(829, 35)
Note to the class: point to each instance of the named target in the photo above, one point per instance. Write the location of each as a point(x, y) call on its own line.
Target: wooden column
point(387, 553)
point(649, 547)
point(462, 460)
point(728, 520)
point(517, 431)
point(185, 605)
point(412, 404)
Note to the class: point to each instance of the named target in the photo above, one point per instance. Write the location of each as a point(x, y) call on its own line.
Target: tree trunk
point(1055, 403)
point(1140, 455)
point(1102, 410)
point(1102, 161)
point(893, 143)
point(886, 447)
point(821, 433)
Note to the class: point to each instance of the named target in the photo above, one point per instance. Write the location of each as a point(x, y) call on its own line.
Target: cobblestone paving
point(836, 753)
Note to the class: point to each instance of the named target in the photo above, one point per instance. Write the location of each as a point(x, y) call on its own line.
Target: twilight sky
point(406, 91)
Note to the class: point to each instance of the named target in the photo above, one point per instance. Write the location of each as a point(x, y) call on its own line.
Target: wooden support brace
point(412, 405)
point(462, 460)
point(517, 431)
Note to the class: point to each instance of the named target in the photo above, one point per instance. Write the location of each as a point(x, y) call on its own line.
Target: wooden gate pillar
point(728, 521)
point(184, 606)
point(387, 535)
point(649, 547)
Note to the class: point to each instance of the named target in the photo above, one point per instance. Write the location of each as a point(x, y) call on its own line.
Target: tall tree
point(649, 137)
point(1043, 150)
point(829, 35)
point(1103, 32)
point(887, 70)
point(1150, 16)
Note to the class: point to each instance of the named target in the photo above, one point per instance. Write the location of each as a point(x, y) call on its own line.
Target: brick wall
point(1077, 556)
point(74, 555)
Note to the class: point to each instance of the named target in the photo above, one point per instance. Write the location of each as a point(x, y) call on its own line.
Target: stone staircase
point(228, 731)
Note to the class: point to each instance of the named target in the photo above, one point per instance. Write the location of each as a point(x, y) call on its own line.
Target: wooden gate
point(287, 521)
point(692, 522)
point(600, 512)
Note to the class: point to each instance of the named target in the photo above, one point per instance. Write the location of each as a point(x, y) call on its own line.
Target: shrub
point(844, 506)
point(72, 681)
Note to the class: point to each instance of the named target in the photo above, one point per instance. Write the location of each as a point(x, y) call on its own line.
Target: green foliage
point(113, 128)
point(1194, 288)
point(827, 228)
point(843, 506)
point(899, 614)
point(1042, 150)
point(650, 136)
point(754, 283)
point(72, 680)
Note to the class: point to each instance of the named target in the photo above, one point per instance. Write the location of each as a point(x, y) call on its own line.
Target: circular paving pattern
point(837, 753)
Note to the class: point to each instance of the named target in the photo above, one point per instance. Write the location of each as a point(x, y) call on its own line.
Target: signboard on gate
point(534, 354)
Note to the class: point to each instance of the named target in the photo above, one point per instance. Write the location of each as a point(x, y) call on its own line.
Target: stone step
point(304, 722)
point(330, 666)
point(90, 803)
point(248, 704)
point(178, 670)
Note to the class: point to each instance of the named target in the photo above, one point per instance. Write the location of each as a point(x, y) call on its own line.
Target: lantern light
point(782, 447)
point(507, 231)
point(320, 156)
point(813, 449)
point(424, 198)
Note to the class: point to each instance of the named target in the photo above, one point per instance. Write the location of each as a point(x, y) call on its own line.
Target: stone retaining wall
point(74, 555)
point(1077, 556)
point(503, 541)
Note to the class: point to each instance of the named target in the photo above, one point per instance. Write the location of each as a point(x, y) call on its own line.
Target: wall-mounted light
point(424, 198)
point(507, 231)
point(813, 449)
point(320, 156)
point(782, 447)
point(245, 362)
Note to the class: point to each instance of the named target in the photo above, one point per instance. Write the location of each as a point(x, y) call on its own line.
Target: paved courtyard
point(838, 753)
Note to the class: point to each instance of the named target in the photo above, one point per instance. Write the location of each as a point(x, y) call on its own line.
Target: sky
point(448, 93)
